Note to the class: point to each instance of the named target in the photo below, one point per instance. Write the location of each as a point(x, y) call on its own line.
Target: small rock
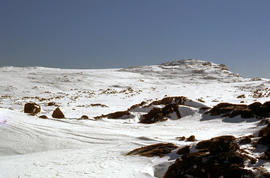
point(181, 138)
point(84, 117)
point(43, 117)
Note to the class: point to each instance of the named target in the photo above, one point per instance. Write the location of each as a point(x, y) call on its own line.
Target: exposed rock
point(159, 149)
point(245, 140)
point(219, 144)
point(84, 117)
point(136, 105)
point(43, 117)
point(191, 138)
point(116, 115)
point(241, 96)
point(52, 104)
point(183, 150)
point(159, 114)
point(217, 157)
point(57, 113)
point(179, 100)
point(32, 108)
point(181, 138)
point(98, 104)
point(245, 111)
point(231, 110)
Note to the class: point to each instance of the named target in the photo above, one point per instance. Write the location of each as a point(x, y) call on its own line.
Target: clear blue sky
point(121, 33)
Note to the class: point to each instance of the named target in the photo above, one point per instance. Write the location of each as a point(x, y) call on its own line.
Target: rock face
point(159, 114)
point(160, 149)
point(217, 157)
point(245, 111)
point(57, 113)
point(32, 108)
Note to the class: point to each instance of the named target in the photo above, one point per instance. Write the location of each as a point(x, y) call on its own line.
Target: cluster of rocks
point(256, 109)
point(34, 109)
point(157, 111)
point(218, 157)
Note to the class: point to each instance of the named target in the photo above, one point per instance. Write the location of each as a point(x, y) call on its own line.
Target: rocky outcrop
point(217, 157)
point(116, 115)
point(160, 114)
point(32, 108)
point(57, 113)
point(245, 111)
point(160, 149)
point(179, 100)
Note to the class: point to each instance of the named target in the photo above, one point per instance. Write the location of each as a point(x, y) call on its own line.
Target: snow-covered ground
point(34, 147)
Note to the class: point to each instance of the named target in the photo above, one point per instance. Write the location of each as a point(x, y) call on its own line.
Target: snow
point(34, 147)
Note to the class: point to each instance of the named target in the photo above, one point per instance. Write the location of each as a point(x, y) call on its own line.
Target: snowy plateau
point(97, 145)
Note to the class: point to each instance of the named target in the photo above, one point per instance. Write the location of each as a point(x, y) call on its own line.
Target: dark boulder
point(191, 138)
point(219, 144)
point(43, 117)
point(159, 149)
point(57, 113)
point(32, 108)
point(160, 114)
point(183, 150)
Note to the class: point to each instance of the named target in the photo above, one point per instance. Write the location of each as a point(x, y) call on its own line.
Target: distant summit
point(188, 69)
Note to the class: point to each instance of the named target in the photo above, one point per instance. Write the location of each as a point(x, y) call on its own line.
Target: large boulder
point(219, 144)
point(32, 108)
point(57, 113)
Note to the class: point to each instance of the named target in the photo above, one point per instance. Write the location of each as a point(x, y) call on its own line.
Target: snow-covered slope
point(34, 147)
